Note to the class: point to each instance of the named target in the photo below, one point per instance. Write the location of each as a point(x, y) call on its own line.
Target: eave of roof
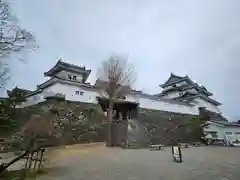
point(54, 80)
point(226, 123)
point(210, 100)
point(23, 91)
point(157, 98)
point(185, 78)
point(33, 93)
point(203, 97)
point(178, 79)
point(69, 67)
point(204, 90)
point(185, 87)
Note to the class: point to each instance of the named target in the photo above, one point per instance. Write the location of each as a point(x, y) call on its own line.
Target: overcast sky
point(199, 38)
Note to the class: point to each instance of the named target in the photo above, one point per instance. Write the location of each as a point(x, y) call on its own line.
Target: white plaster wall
point(215, 128)
point(171, 95)
point(190, 90)
point(69, 91)
point(177, 85)
point(31, 100)
point(181, 83)
point(36, 98)
point(64, 74)
point(167, 87)
point(235, 132)
point(203, 103)
point(221, 131)
point(133, 98)
point(166, 106)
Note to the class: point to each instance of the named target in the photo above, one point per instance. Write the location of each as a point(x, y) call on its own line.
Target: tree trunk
point(109, 118)
point(4, 166)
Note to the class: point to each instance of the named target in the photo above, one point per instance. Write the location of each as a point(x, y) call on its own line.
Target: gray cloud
point(198, 38)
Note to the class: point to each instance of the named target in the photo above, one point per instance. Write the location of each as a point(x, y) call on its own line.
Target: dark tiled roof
point(210, 100)
point(53, 80)
point(175, 79)
point(204, 90)
point(226, 123)
point(155, 97)
point(192, 97)
point(21, 90)
point(68, 67)
point(185, 87)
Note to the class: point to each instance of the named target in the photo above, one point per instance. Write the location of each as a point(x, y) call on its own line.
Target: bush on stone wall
point(79, 122)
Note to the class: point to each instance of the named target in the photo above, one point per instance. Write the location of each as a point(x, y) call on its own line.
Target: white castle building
point(179, 95)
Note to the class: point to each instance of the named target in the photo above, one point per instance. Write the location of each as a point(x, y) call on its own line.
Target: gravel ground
point(98, 162)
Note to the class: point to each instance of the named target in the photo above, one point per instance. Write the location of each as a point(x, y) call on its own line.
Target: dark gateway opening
point(122, 109)
point(122, 112)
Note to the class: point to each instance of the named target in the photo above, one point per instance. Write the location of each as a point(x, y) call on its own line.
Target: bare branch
point(115, 77)
point(12, 38)
point(3, 74)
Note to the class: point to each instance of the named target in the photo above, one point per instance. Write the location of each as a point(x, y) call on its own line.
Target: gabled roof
point(175, 79)
point(22, 91)
point(68, 67)
point(185, 87)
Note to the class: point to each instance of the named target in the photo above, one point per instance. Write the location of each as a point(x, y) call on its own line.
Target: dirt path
point(98, 162)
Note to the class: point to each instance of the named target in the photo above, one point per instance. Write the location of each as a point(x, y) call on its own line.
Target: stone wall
point(161, 127)
point(80, 122)
point(87, 124)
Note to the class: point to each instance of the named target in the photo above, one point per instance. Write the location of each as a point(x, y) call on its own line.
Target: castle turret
point(182, 88)
point(69, 72)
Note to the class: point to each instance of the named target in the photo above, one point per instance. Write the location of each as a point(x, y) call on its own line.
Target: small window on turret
point(79, 93)
point(69, 77)
point(74, 77)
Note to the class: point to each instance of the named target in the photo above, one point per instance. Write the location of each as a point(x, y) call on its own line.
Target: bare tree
point(115, 78)
point(13, 39)
point(3, 74)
